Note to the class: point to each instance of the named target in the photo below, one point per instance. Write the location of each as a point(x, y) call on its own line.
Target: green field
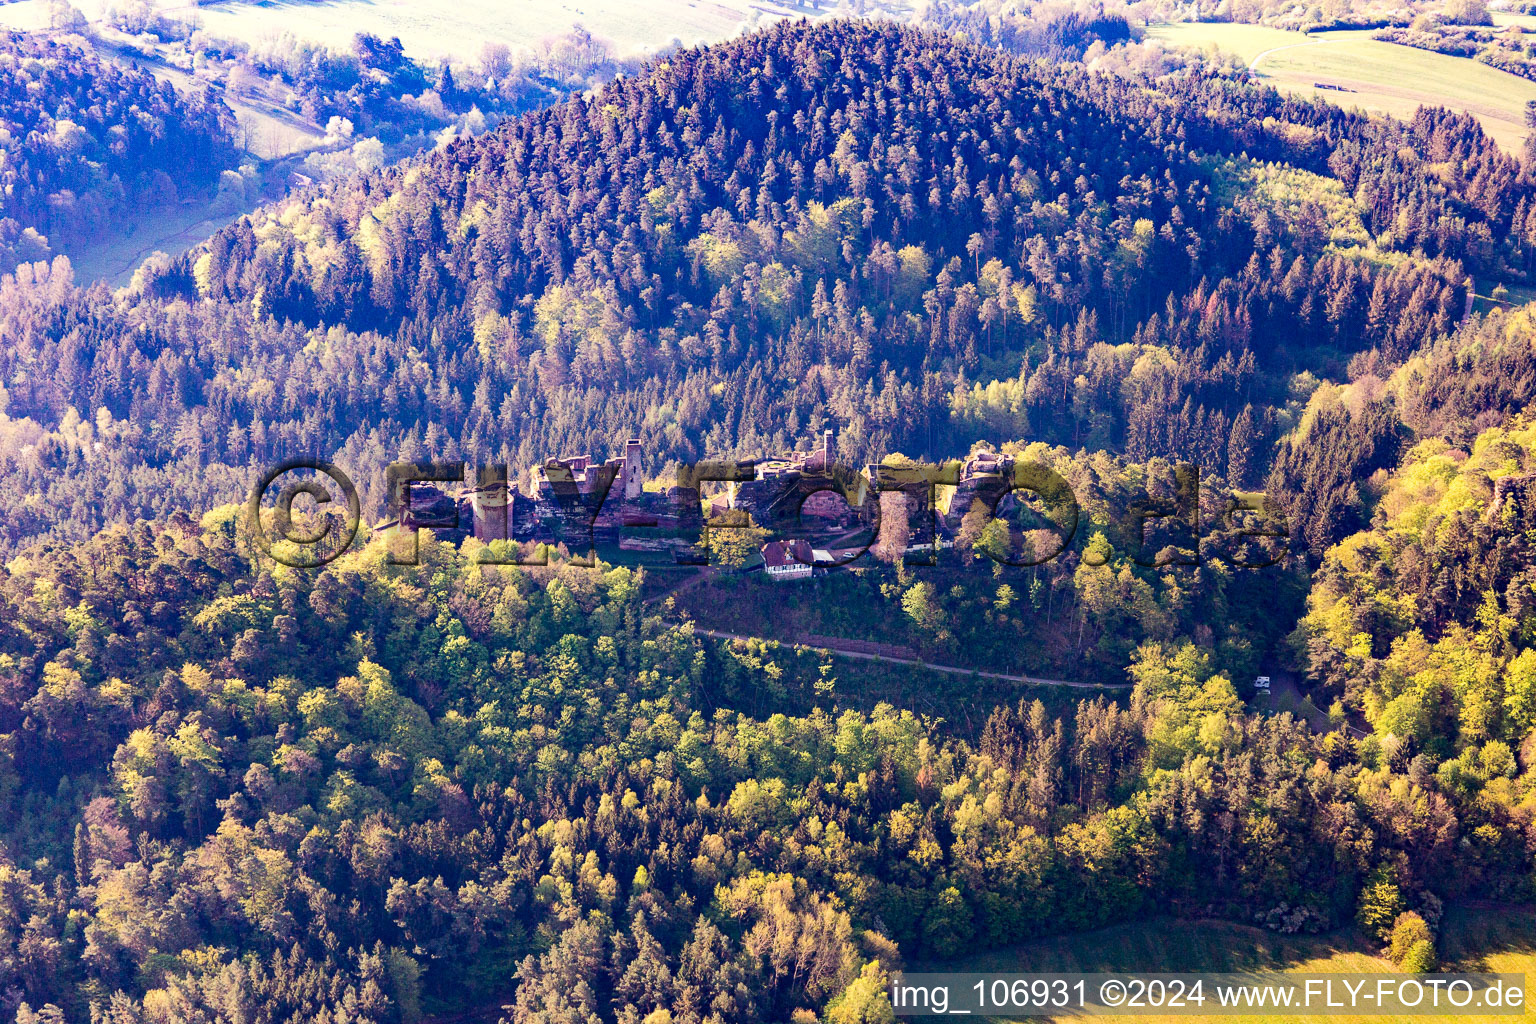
point(1379, 77)
point(1519, 295)
point(1243, 41)
point(1525, 21)
point(433, 31)
point(1472, 940)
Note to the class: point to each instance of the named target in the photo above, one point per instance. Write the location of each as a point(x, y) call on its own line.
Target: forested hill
point(379, 794)
point(83, 141)
point(238, 793)
point(909, 239)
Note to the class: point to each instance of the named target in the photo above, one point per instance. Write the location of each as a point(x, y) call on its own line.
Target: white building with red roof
point(787, 560)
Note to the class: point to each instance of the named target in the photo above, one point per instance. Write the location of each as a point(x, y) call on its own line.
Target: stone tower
point(634, 475)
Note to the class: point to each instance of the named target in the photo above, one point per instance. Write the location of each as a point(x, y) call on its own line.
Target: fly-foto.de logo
point(803, 510)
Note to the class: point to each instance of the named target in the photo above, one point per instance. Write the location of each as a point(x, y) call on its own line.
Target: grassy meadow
point(432, 31)
point(1478, 940)
point(1518, 295)
point(1380, 77)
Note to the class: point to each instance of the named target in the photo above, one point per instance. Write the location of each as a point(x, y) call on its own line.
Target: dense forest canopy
point(82, 141)
point(1423, 623)
point(373, 791)
point(912, 240)
point(235, 791)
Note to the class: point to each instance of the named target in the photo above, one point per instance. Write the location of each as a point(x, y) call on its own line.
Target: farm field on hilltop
point(1377, 76)
point(1242, 41)
point(432, 31)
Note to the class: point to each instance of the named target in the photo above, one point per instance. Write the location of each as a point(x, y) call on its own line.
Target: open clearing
point(1380, 77)
point(1242, 41)
point(1502, 19)
point(432, 31)
point(1481, 940)
point(113, 257)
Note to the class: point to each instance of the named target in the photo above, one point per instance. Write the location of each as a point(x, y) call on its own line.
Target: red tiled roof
point(779, 553)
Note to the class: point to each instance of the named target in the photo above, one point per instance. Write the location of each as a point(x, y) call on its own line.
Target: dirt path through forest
point(933, 666)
